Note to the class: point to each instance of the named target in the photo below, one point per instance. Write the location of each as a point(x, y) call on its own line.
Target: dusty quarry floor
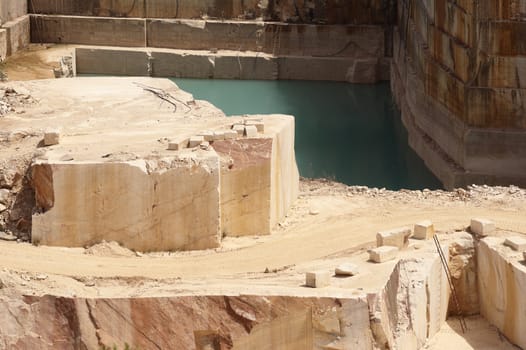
point(329, 223)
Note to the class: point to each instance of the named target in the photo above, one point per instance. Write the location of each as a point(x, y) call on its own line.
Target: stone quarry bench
point(115, 176)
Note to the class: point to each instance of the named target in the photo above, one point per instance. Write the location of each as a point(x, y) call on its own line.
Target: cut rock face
point(143, 187)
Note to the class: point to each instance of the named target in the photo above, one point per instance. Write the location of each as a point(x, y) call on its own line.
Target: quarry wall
point(305, 11)
point(458, 77)
point(14, 27)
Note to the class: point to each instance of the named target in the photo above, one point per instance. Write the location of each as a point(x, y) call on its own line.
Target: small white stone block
point(383, 254)
point(177, 144)
point(207, 135)
point(482, 227)
point(398, 237)
point(51, 137)
point(317, 279)
point(346, 269)
point(240, 129)
point(219, 135)
point(424, 230)
point(231, 134)
point(195, 141)
point(516, 243)
point(260, 126)
point(251, 131)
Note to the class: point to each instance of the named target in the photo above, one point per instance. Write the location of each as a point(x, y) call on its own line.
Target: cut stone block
point(482, 227)
point(251, 131)
point(383, 254)
point(231, 135)
point(51, 137)
point(240, 129)
point(424, 230)
point(177, 144)
point(219, 135)
point(207, 135)
point(195, 141)
point(346, 269)
point(398, 237)
point(204, 145)
point(516, 243)
point(317, 279)
point(260, 126)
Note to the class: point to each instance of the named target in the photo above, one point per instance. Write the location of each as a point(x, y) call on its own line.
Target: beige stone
point(501, 286)
point(207, 135)
point(251, 131)
point(195, 141)
point(347, 269)
point(219, 135)
point(398, 237)
point(51, 137)
point(231, 134)
point(482, 227)
point(239, 128)
point(516, 243)
point(317, 279)
point(178, 143)
point(424, 230)
point(260, 125)
point(123, 202)
point(383, 254)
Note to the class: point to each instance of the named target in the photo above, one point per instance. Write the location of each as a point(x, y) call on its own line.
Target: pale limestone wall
point(226, 65)
point(175, 207)
point(14, 27)
point(333, 12)
point(132, 189)
point(284, 171)
point(12, 9)
point(280, 39)
point(413, 304)
point(502, 282)
point(456, 76)
point(243, 187)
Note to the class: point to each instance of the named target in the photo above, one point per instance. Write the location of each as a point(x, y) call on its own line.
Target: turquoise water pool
point(346, 132)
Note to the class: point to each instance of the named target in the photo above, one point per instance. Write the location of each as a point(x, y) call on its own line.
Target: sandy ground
point(346, 221)
point(330, 221)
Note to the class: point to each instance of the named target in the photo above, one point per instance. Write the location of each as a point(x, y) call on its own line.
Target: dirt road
point(343, 222)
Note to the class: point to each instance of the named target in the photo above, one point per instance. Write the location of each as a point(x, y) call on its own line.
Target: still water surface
point(346, 132)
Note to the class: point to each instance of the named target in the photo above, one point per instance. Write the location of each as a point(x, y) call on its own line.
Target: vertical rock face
point(456, 77)
point(306, 11)
point(245, 186)
point(168, 206)
point(412, 306)
point(193, 322)
point(502, 282)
